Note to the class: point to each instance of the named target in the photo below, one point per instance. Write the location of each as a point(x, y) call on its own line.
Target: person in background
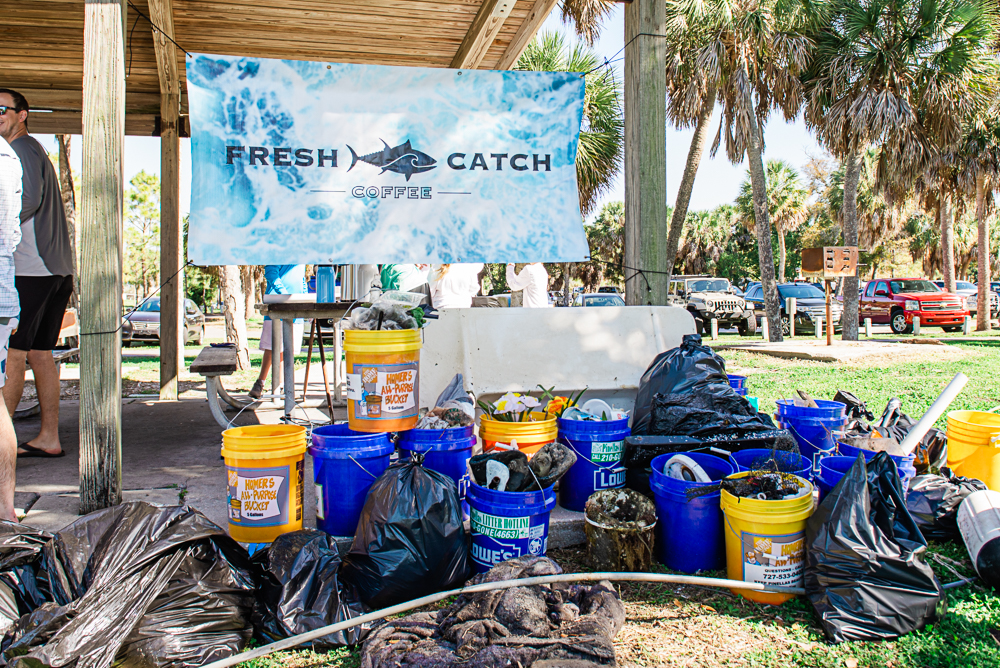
point(10, 235)
point(534, 280)
point(43, 269)
point(406, 277)
point(454, 285)
point(282, 279)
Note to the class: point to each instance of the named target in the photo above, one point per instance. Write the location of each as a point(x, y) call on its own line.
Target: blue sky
point(718, 180)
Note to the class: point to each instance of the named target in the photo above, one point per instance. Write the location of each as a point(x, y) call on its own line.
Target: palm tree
point(599, 153)
point(691, 99)
point(586, 15)
point(755, 51)
point(706, 234)
point(979, 158)
point(787, 205)
point(902, 74)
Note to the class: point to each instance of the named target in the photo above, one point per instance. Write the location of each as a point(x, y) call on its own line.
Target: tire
point(126, 344)
point(898, 323)
point(200, 337)
point(786, 326)
point(699, 325)
point(952, 328)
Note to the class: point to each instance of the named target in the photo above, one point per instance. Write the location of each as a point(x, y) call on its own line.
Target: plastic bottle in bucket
point(345, 464)
point(265, 466)
point(383, 368)
point(599, 446)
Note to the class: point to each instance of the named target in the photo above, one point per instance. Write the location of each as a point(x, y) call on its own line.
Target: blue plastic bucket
point(507, 525)
point(599, 448)
point(827, 409)
point(831, 470)
point(788, 462)
point(446, 451)
point(904, 464)
point(815, 438)
point(737, 382)
point(689, 533)
point(345, 464)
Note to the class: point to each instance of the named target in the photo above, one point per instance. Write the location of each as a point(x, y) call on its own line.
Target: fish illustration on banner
point(474, 166)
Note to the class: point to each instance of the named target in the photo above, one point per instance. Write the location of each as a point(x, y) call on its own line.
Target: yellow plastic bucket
point(530, 436)
point(974, 427)
point(265, 465)
point(383, 370)
point(766, 541)
point(970, 452)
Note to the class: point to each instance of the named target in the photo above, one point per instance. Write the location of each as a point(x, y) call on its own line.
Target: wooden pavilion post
point(645, 153)
point(172, 294)
point(100, 278)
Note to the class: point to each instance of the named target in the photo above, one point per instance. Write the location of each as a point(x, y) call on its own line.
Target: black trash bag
point(300, 591)
point(866, 572)
point(410, 541)
point(158, 587)
point(685, 392)
point(933, 501)
point(30, 574)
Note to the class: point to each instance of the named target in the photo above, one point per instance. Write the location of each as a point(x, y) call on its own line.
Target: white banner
point(325, 163)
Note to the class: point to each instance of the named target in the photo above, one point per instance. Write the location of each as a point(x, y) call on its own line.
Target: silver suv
point(707, 298)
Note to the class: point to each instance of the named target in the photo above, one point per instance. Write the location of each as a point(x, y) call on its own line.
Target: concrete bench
point(213, 363)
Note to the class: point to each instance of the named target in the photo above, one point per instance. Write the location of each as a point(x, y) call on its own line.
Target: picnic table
point(213, 363)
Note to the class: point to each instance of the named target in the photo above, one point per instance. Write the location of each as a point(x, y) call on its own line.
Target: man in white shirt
point(10, 235)
point(534, 280)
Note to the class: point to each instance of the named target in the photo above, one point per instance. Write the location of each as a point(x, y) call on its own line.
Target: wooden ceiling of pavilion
point(43, 43)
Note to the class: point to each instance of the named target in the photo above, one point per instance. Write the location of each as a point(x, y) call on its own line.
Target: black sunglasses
point(3, 110)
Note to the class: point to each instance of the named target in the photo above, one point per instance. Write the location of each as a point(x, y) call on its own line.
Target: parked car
point(707, 298)
point(145, 323)
point(896, 301)
point(598, 299)
point(970, 292)
point(810, 304)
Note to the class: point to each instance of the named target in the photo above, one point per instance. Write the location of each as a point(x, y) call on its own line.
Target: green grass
point(916, 383)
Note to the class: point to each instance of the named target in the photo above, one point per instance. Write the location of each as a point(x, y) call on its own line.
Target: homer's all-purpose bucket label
point(774, 560)
point(496, 539)
point(384, 391)
point(258, 497)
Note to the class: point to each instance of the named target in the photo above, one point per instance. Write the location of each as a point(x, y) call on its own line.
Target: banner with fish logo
point(328, 163)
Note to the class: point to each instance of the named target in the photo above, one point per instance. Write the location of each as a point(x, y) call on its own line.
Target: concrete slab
point(54, 512)
point(847, 351)
point(565, 528)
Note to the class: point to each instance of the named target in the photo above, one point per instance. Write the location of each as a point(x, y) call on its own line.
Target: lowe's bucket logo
point(490, 556)
point(609, 478)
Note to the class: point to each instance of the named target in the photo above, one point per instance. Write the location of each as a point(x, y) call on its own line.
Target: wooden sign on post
point(828, 264)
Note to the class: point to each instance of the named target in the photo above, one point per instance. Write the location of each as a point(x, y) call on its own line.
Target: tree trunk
point(781, 255)
point(249, 289)
point(758, 183)
point(567, 292)
point(983, 256)
point(233, 305)
point(69, 206)
point(849, 222)
point(697, 148)
point(947, 242)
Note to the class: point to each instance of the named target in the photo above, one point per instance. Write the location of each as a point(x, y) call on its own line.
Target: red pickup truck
point(895, 301)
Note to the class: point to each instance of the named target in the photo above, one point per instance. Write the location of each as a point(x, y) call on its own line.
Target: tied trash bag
point(155, 586)
point(300, 591)
point(410, 541)
point(933, 501)
point(866, 572)
point(685, 392)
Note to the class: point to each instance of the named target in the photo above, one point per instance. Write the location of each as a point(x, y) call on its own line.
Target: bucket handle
point(719, 451)
point(819, 454)
point(375, 477)
point(610, 528)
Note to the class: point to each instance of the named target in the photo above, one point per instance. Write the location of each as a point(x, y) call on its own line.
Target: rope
point(138, 306)
point(156, 28)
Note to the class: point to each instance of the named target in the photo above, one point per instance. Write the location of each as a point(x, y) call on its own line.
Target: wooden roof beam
point(56, 99)
point(162, 14)
point(482, 32)
point(529, 27)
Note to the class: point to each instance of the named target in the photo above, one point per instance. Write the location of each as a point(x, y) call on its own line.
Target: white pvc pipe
point(938, 408)
point(288, 643)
